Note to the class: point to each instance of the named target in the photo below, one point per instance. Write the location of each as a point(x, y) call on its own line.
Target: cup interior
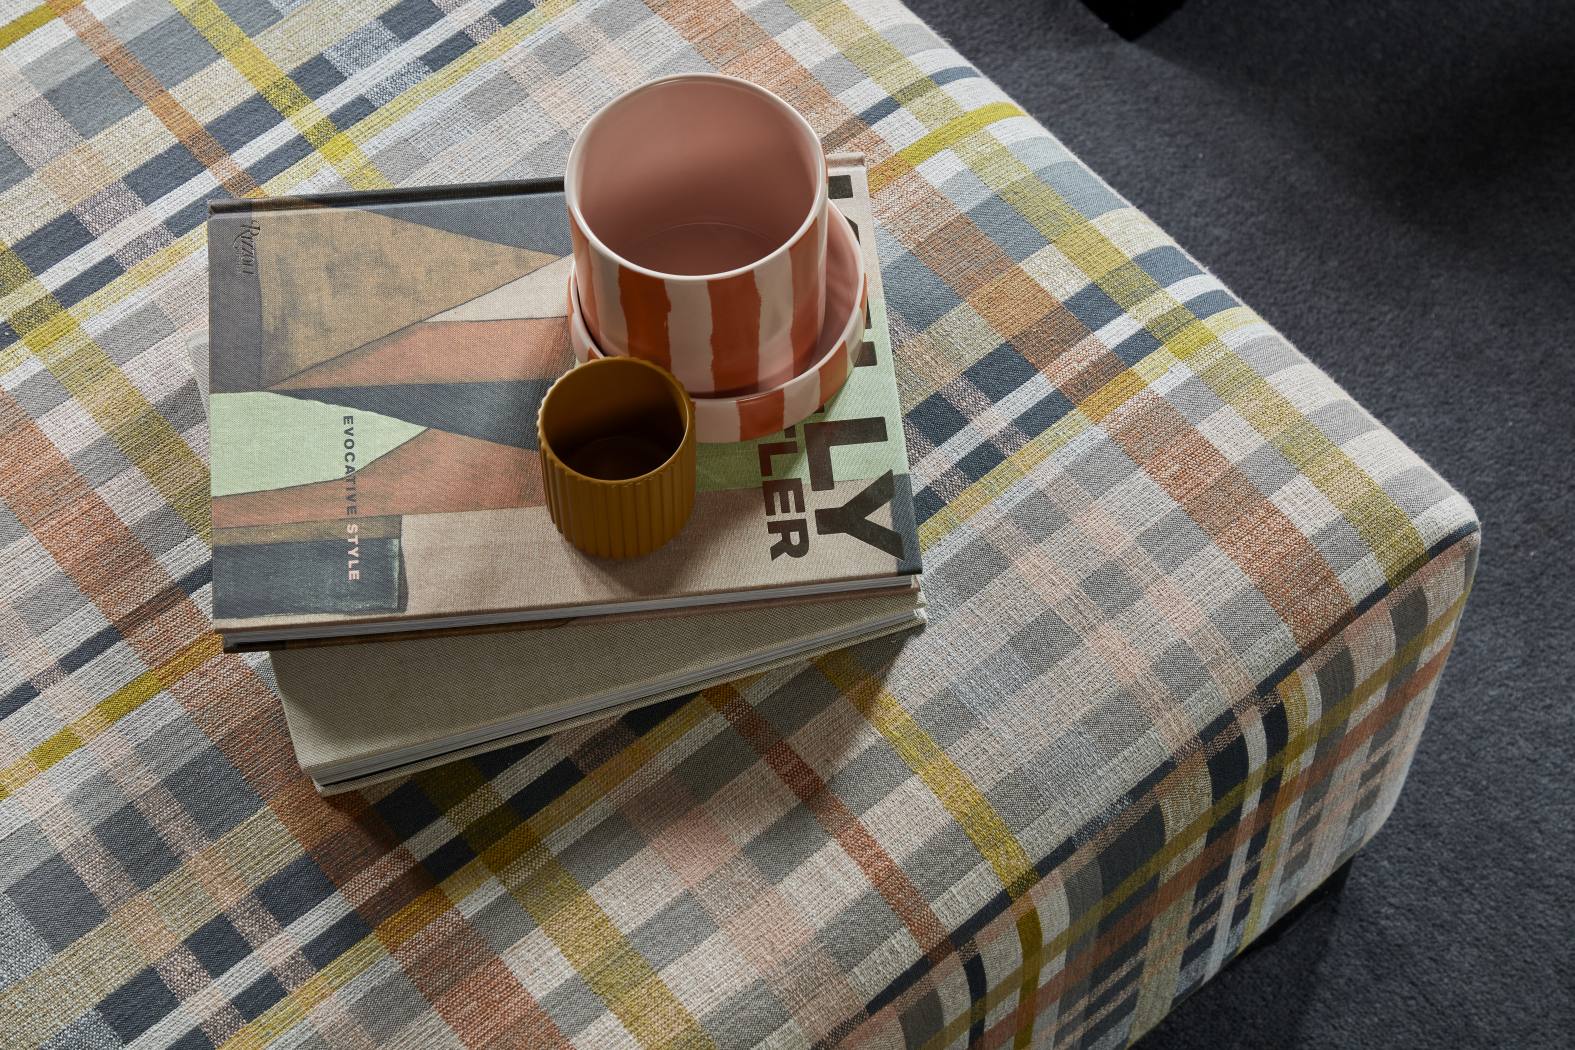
point(696, 175)
point(614, 419)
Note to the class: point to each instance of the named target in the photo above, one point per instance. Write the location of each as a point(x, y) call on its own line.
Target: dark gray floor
point(1393, 186)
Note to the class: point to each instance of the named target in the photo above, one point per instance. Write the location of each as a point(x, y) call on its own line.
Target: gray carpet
point(1393, 186)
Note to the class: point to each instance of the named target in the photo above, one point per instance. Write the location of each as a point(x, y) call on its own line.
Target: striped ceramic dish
point(745, 417)
point(698, 216)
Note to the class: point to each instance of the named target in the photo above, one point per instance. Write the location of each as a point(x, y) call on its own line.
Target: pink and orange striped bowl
point(698, 216)
point(744, 417)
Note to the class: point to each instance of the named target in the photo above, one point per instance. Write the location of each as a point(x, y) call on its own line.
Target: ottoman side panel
point(1350, 717)
point(1140, 909)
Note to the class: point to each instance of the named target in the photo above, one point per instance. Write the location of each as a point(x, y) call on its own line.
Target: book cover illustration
point(376, 364)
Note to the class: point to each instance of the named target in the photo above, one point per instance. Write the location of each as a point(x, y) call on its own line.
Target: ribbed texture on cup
point(621, 519)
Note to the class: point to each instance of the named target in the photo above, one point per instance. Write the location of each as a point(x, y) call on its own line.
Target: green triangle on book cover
point(242, 463)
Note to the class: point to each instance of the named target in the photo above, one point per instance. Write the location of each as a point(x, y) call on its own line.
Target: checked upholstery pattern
point(1189, 603)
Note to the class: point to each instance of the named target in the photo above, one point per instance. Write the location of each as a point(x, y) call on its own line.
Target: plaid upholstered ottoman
point(1189, 603)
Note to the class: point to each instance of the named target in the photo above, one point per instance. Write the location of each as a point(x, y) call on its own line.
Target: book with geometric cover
point(360, 714)
point(376, 364)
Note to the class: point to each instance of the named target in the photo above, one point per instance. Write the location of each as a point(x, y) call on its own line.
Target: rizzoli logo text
point(245, 248)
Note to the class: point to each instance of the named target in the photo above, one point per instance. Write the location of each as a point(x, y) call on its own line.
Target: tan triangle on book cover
point(449, 351)
point(334, 279)
point(542, 293)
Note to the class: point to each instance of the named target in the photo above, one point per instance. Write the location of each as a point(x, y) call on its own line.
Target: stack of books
point(373, 368)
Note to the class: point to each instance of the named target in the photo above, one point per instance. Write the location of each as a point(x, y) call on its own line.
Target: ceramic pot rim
point(576, 160)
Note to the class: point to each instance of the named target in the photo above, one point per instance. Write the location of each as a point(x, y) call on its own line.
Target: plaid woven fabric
point(1189, 603)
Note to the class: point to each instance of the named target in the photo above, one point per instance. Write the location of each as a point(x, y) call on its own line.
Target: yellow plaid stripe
point(55, 335)
point(526, 867)
point(1030, 941)
point(940, 773)
point(956, 792)
point(161, 262)
point(107, 712)
point(102, 960)
point(1385, 528)
point(942, 138)
point(41, 1003)
point(24, 24)
point(1333, 721)
point(60, 343)
point(1293, 699)
point(282, 93)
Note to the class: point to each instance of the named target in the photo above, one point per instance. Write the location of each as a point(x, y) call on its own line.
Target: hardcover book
point(359, 714)
point(376, 364)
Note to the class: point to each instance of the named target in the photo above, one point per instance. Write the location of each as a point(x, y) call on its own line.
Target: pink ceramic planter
point(697, 206)
point(747, 416)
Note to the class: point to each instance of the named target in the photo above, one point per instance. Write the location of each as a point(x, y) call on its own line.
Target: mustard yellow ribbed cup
point(617, 441)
